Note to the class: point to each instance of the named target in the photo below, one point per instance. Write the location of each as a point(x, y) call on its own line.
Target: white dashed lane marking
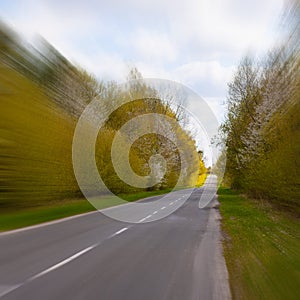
point(120, 231)
point(7, 289)
point(54, 267)
point(144, 219)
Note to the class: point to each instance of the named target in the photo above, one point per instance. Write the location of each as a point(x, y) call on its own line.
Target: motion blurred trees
point(262, 127)
point(42, 96)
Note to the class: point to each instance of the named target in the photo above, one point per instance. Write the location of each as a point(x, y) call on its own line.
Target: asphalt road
point(96, 257)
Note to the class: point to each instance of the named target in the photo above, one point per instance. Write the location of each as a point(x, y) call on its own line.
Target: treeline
point(42, 96)
point(262, 128)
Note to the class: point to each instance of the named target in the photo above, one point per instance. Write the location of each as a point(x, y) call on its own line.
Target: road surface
point(95, 257)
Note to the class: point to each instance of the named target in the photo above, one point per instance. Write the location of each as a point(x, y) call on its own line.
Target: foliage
point(42, 96)
point(261, 131)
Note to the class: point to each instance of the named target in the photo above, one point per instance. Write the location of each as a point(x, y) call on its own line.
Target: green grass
point(19, 218)
point(31, 216)
point(261, 248)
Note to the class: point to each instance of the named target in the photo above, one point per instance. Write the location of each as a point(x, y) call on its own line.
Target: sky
point(195, 42)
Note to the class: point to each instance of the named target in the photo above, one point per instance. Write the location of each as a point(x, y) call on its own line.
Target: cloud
point(104, 65)
point(223, 29)
point(194, 42)
point(153, 46)
point(217, 105)
point(209, 78)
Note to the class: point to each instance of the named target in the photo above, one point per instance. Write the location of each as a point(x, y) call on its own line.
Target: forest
point(261, 132)
point(42, 98)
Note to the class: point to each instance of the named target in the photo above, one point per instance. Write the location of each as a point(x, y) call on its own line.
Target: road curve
point(96, 257)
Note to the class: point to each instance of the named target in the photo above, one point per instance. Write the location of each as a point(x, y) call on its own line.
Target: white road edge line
point(155, 212)
point(49, 223)
point(46, 223)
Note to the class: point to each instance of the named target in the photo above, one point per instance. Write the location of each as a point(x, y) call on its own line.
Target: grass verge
point(14, 219)
point(261, 248)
